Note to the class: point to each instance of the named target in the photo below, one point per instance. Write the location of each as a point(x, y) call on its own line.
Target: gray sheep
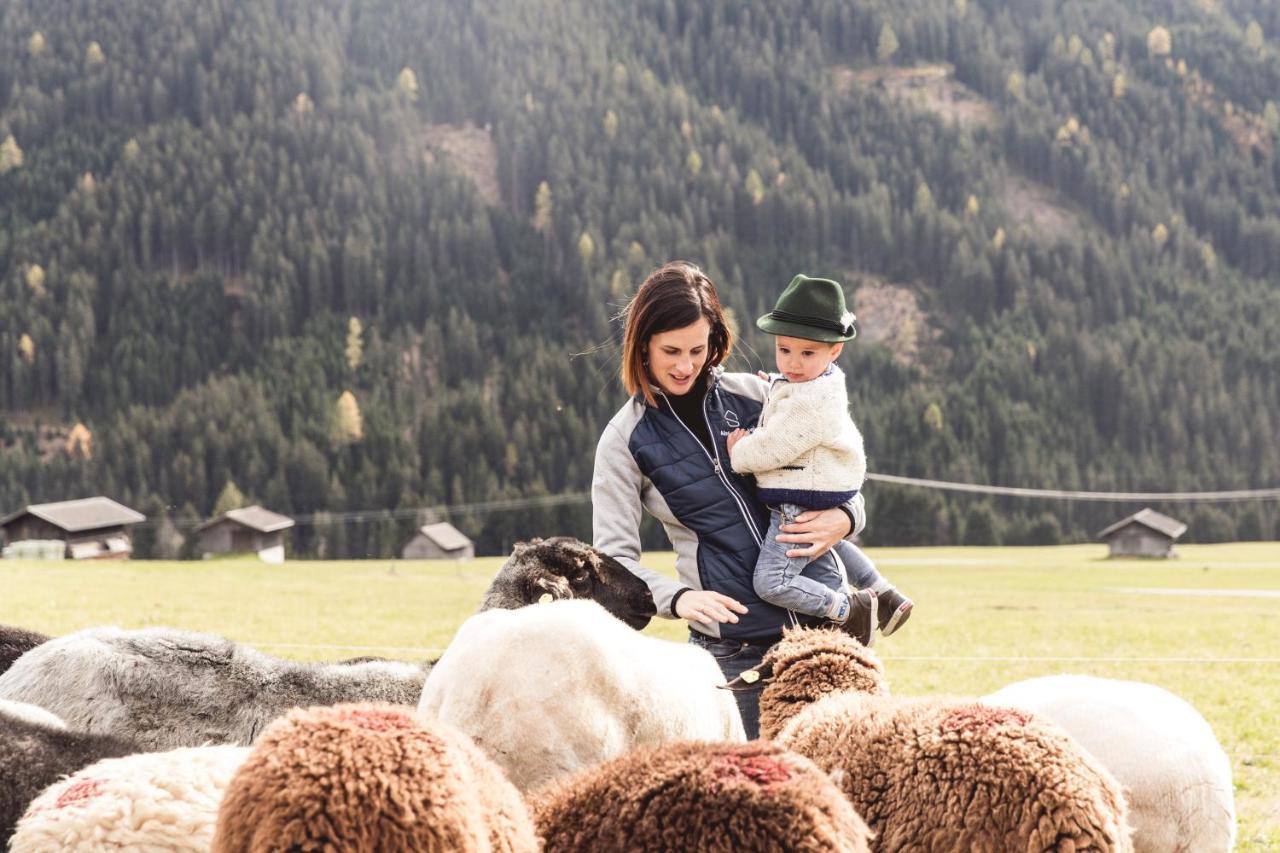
point(164, 688)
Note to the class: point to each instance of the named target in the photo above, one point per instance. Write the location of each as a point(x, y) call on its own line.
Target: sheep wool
point(30, 713)
point(1176, 776)
point(551, 689)
point(157, 801)
point(15, 642)
point(164, 688)
point(34, 755)
point(700, 796)
point(368, 778)
point(936, 773)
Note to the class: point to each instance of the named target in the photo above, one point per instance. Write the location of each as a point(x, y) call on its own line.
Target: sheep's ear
point(751, 679)
point(555, 586)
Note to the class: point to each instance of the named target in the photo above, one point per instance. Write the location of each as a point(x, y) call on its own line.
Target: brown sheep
point(700, 796)
point(935, 773)
point(369, 778)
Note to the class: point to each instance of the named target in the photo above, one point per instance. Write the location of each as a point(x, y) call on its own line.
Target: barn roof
point(445, 535)
point(1151, 519)
point(80, 515)
point(253, 517)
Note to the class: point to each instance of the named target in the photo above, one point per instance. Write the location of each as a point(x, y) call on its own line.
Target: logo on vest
point(731, 419)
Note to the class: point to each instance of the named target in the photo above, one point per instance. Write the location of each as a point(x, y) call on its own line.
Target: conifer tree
point(355, 343)
point(10, 154)
point(228, 499)
point(348, 425)
point(886, 44)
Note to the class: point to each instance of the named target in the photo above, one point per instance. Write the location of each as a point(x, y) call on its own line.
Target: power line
point(1069, 495)
point(570, 498)
point(440, 510)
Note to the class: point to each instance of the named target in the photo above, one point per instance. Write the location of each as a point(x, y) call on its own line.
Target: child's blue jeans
point(777, 578)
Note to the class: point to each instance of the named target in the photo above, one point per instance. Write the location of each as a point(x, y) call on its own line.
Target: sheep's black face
point(564, 568)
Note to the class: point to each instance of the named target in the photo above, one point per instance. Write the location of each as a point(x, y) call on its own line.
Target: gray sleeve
point(616, 507)
point(857, 507)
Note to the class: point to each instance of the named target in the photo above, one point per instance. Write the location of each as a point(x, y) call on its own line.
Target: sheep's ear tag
point(748, 679)
point(545, 597)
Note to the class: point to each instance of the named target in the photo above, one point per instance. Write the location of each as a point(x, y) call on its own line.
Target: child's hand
point(734, 437)
point(762, 375)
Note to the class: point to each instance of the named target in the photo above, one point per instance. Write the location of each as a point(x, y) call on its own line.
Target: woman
point(665, 452)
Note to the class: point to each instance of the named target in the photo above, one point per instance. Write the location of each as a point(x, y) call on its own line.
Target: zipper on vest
point(715, 463)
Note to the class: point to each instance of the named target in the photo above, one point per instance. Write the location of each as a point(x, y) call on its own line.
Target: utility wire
point(1068, 495)
point(570, 498)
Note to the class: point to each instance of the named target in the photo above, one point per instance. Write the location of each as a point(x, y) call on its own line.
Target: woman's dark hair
point(675, 295)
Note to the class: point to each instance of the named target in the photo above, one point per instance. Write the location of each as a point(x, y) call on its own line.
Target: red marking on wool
point(971, 717)
point(85, 789)
point(376, 720)
point(762, 770)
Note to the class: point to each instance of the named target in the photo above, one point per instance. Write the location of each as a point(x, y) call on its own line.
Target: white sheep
point(1176, 777)
point(164, 688)
point(555, 688)
point(158, 801)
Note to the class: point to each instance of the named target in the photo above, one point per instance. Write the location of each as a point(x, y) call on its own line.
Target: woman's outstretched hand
point(817, 529)
point(707, 606)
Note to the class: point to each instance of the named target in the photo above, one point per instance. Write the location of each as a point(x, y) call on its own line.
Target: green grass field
point(1204, 626)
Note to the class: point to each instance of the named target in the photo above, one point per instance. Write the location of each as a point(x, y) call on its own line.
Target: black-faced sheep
point(34, 755)
point(698, 796)
point(1176, 777)
point(935, 773)
point(158, 801)
point(164, 688)
point(565, 568)
point(15, 642)
point(555, 688)
point(369, 778)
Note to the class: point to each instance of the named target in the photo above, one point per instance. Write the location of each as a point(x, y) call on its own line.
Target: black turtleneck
point(688, 408)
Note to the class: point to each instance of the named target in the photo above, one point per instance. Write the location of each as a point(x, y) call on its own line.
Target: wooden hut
point(91, 528)
point(441, 541)
point(249, 530)
point(1146, 533)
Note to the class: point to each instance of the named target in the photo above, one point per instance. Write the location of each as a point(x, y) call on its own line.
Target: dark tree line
point(196, 201)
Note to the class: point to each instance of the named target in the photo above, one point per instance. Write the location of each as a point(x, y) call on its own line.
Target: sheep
point(699, 796)
point(164, 688)
point(31, 713)
point(1176, 777)
point(562, 568)
point(936, 773)
point(34, 755)
point(15, 642)
point(558, 687)
point(369, 777)
point(158, 801)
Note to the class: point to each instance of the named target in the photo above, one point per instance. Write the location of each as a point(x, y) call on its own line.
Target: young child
point(807, 454)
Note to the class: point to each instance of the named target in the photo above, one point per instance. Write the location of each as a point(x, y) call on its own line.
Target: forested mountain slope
point(1061, 219)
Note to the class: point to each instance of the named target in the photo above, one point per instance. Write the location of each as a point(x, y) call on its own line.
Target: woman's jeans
point(777, 577)
point(734, 658)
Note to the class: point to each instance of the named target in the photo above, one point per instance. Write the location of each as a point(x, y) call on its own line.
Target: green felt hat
point(813, 309)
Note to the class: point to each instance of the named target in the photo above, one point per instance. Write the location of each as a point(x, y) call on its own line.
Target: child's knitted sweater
point(806, 449)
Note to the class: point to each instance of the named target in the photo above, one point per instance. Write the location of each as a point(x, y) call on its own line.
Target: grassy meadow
point(1206, 626)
